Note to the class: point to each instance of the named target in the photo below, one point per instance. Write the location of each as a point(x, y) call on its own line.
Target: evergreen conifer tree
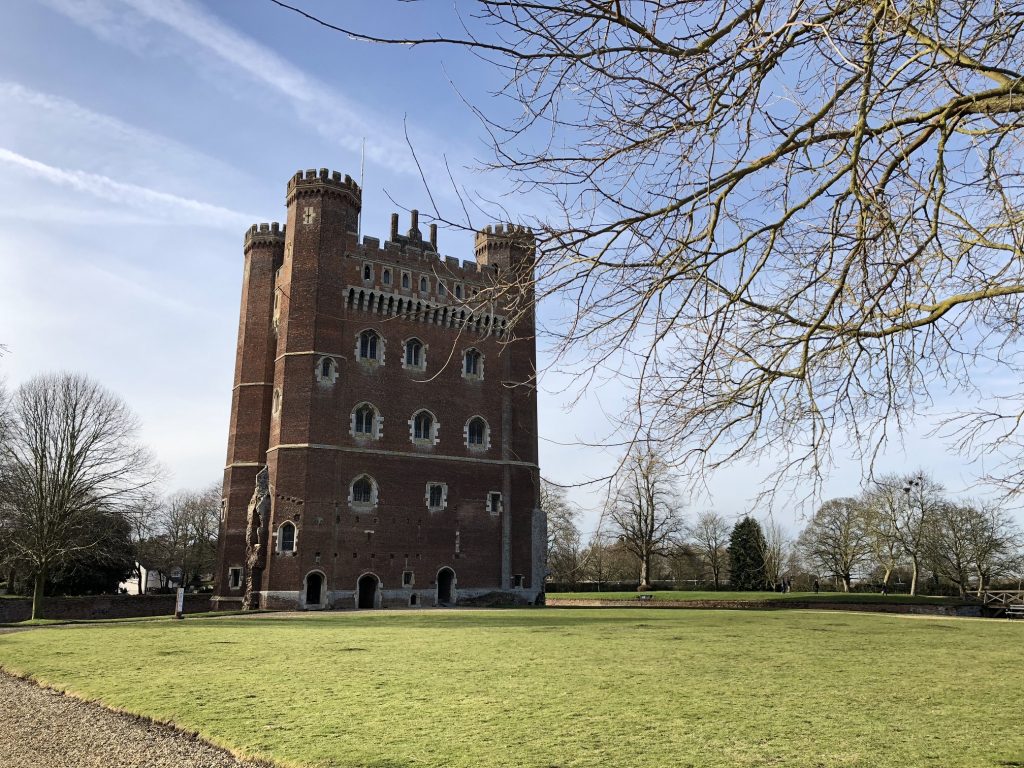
point(746, 555)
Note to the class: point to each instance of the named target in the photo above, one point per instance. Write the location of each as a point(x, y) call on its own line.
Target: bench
point(1015, 611)
point(647, 598)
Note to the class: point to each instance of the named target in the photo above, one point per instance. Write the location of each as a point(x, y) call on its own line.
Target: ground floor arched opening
point(446, 586)
point(314, 590)
point(367, 589)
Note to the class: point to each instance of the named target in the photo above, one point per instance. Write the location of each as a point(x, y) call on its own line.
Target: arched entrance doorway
point(446, 586)
point(314, 589)
point(367, 589)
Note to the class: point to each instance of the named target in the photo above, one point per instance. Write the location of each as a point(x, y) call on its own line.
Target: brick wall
point(100, 607)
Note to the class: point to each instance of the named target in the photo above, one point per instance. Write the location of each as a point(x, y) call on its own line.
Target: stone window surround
point(367, 265)
point(381, 347)
point(235, 578)
point(435, 429)
point(295, 539)
point(486, 445)
point(332, 377)
point(444, 496)
point(363, 506)
point(378, 423)
point(492, 508)
point(479, 375)
point(423, 355)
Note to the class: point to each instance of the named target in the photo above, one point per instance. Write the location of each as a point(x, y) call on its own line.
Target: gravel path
point(45, 729)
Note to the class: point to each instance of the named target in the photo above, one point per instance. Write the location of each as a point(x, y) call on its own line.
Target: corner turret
point(502, 247)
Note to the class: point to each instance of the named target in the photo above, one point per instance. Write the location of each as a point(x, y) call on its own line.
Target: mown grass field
point(821, 597)
point(543, 688)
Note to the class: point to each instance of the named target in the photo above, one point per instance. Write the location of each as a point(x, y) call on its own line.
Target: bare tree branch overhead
point(788, 225)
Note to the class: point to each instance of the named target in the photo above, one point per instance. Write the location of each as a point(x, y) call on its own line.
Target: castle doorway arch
point(367, 591)
point(314, 592)
point(446, 586)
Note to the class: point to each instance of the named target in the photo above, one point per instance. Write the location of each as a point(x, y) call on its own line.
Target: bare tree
point(184, 535)
point(837, 539)
point(566, 553)
point(909, 502)
point(947, 542)
point(643, 509)
point(710, 535)
point(782, 221)
point(776, 548)
point(994, 543)
point(878, 508)
point(72, 457)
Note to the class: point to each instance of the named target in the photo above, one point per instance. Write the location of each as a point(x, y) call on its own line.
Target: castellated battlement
point(501, 245)
point(311, 181)
point(262, 234)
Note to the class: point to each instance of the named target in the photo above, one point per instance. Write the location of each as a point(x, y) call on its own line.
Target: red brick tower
point(393, 406)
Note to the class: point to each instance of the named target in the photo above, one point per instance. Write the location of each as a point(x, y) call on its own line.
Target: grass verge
point(535, 689)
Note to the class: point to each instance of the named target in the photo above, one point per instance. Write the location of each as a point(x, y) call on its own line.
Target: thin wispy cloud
point(101, 143)
point(324, 109)
point(161, 204)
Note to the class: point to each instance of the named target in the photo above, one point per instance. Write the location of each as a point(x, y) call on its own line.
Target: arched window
point(369, 345)
point(363, 491)
point(286, 538)
point(423, 426)
point(367, 272)
point(424, 285)
point(364, 421)
point(472, 364)
point(476, 433)
point(385, 277)
point(441, 288)
point(458, 291)
point(326, 370)
point(414, 353)
point(405, 280)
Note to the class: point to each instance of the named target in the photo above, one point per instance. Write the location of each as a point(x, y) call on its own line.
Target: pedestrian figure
point(817, 586)
point(885, 588)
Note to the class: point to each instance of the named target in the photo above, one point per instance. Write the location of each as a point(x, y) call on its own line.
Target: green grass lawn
point(543, 688)
point(833, 597)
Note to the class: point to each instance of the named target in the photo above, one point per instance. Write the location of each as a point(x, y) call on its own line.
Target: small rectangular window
point(494, 502)
point(517, 582)
point(406, 578)
point(234, 578)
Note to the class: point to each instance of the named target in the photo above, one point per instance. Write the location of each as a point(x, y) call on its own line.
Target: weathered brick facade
point(344, 513)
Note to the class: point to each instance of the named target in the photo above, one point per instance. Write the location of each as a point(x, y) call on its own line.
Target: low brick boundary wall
point(99, 607)
point(771, 605)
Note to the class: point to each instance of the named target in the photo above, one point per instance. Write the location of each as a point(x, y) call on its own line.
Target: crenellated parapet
point(324, 182)
point(503, 245)
point(264, 234)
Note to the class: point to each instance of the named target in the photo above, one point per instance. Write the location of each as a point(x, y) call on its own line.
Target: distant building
point(383, 439)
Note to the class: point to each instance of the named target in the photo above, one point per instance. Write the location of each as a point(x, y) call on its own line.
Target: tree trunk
point(846, 582)
point(888, 573)
point(913, 576)
point(37, 594)
point(645, 572)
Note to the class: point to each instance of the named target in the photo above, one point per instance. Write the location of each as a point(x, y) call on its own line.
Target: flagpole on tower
point(362, 170)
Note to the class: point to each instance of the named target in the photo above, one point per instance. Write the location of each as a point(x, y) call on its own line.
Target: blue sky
point(139, 140)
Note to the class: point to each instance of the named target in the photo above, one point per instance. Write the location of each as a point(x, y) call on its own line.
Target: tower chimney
point(433, 236)
point(414, 229)
point(394, 227)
